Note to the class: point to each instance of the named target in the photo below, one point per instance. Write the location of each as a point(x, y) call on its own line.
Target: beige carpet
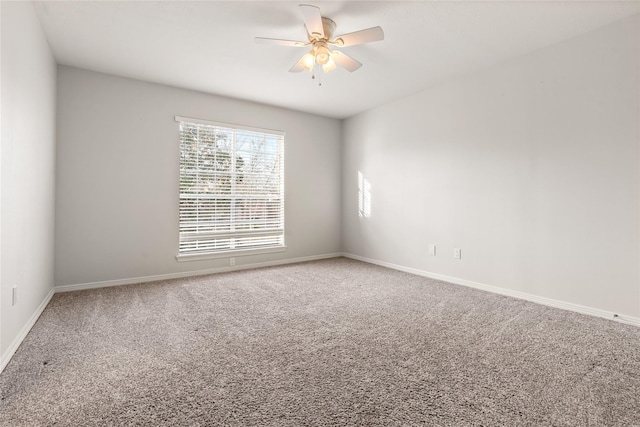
point(333, 342)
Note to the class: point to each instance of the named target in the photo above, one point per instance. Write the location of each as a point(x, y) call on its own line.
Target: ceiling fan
point(320, 36)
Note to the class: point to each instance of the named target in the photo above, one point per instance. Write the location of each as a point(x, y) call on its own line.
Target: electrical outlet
point(232, 262)
point(432, 250)
point(14, 295)
point(457, 253)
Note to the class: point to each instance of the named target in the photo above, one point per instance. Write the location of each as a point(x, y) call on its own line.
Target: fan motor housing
point(329, 27)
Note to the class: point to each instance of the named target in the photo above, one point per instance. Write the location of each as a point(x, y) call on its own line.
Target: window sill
point(229, 254)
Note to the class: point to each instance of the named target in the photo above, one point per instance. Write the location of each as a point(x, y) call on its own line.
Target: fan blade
point(344, 60)
point(312, 20)
point(359, 37)
point(297, 68)
point(263, 40)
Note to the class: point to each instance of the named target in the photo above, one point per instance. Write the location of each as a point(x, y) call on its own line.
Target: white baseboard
point(13, 347)
point(144, 279)
point(6, 357)
point(507, 292)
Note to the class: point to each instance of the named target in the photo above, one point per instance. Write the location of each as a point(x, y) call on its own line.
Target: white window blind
point(231, 188)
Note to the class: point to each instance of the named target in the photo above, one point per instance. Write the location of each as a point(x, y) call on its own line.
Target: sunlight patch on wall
point(364, 196)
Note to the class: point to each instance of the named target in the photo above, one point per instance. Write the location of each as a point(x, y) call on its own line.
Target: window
point(231, 189)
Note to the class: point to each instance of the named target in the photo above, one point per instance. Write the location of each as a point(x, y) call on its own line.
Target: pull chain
point(313, 73)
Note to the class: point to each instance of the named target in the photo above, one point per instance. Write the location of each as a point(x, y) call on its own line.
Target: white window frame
point(277, 231)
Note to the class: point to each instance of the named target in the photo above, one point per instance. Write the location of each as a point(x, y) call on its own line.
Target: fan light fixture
point(307, 61)
point(329, 66)
point(320, 34)
point(320, 55)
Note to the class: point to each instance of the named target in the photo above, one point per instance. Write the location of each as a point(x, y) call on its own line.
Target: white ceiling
point(209, 46)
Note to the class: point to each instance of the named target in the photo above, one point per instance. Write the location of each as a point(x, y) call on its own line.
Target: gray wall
point(27, 170)
point(117, 182)
point(530, 167)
